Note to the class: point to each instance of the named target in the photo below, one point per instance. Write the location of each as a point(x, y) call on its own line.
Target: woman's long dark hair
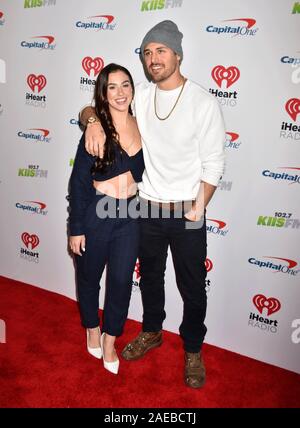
point(103, 113)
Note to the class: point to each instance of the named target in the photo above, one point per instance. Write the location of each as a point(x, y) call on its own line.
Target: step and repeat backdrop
point(247, 54)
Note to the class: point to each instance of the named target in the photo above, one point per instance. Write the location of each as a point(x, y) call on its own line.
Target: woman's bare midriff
point(121, 187)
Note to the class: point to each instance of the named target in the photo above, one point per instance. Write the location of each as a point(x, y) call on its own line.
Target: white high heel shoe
point(95, 352)
point(112, 366)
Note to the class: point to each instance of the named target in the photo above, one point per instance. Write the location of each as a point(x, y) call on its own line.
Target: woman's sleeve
point(81, 189)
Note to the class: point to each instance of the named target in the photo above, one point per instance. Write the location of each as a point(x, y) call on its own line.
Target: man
point(183, 139)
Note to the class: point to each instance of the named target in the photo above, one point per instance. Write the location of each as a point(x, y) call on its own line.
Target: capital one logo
point(36, 82)
point(38, 135)
point(208, 265)
point(271, 304)
point(244, 27)
point(109, 18)
point(292, 107)
point(43, 43)
point(230, 75)
point(103, 22)
point(30, 240)
point(92, 64)
point(232, 136)
point(50, 39)
point(285, 176)
point(249, 21)
point(216, 227)
point(279, 264)
point(231, 140)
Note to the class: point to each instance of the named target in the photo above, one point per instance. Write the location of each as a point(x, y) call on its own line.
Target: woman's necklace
point(164, 118)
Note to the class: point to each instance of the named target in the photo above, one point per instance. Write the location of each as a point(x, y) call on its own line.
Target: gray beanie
point(167, 33)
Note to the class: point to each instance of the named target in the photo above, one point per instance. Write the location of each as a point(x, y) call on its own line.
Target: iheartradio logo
point(292, 107)
point(208, 265)
point(271, 304)
point(92, 64)
point(230, 75)
point(137, 269)
point(30, 240)
point(36, 82)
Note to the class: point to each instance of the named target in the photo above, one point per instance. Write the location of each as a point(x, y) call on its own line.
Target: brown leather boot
point(194, 370)
point(141, 344)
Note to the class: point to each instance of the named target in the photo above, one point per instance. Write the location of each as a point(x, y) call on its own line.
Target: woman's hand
point(95, 139)
point(76, 243)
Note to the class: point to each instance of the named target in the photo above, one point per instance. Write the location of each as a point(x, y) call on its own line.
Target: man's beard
point(163, 76)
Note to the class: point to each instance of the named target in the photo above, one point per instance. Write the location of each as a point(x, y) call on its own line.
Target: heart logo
point(137, 269)
point(38, 82)
point(271, 304)
point(32, 240)
point(89, 64)
point(230, 75)
point(208, 265)
point(292, 107)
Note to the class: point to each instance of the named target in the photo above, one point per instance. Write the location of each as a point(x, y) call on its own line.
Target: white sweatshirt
point(184, 149)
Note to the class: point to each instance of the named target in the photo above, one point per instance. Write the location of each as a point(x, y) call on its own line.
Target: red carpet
point(44, 363)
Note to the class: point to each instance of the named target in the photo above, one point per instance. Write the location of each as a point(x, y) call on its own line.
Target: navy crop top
point(82, 190)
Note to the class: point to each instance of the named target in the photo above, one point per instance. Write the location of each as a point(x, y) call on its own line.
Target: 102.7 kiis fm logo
point(160, 4)
point(279, 220)
point(38, 3)
point(33, 171)
point(36, 83)
point(92, 67)
point(267, 307)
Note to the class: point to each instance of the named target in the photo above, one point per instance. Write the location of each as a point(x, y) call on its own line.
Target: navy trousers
point(113, 242)
point(188, 248)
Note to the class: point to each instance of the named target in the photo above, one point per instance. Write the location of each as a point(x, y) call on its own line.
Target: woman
point(100, 189)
